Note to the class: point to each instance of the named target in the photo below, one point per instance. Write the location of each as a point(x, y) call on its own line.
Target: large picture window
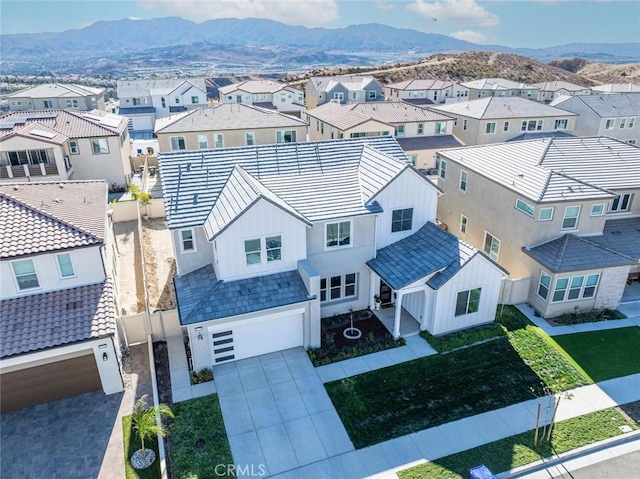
point(468, 302)
point(269, 247)
point(338, 287)
point(575, 287)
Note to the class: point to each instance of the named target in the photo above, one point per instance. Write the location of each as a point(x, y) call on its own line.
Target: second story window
point(72, 103)
point(338, 234)
point(195, 100)
point(256, 249)
point(286, 136)
point(99, 146)
point(178, 143)
point(560, 124)
point(443, 169)
point(25, 274)
point(420, 128)
point(274, 247)
point(48, 103)
point(464, 124)
point(491, 246)
point(401, 220)
point(218, 141)
point(74, 149)
point(597, 210)
point(620, 203)
point(610, 124)
point(525, 207)
point(463, 224)
point(506, 126)
point(570, 220)
point(163, 102)
point(372, 94)
point(338, 95)
point(545, 214)
point(400, 131)
point(531, 125)
point(203, 142)
point(464, 180)
point(253, 251)
point(441, 128)
point(250, 138)
point(490, 128)
point(187, 241)
point(355, 95)
point(65, 266)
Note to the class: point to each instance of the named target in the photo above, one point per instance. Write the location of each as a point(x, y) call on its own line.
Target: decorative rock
point(352, 333)
point(142, 462)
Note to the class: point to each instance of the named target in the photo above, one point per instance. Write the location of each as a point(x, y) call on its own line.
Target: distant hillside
point(601, 73)
point(475, 65)
point(133, 47)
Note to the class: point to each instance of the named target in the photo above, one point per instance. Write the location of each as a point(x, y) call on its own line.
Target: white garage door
point(254, 337)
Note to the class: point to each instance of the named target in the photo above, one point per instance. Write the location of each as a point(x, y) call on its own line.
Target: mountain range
point(118, 46)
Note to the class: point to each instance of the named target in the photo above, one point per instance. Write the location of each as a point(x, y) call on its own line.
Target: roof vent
point(57, 200)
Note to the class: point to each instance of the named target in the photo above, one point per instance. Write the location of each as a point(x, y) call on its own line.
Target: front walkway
point(579, 328)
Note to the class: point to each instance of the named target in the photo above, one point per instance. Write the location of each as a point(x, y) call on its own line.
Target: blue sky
point(514, 23)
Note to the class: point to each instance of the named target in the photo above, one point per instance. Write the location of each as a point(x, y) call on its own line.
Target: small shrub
point(202, 376)
point(329, 339)
point(592, 316)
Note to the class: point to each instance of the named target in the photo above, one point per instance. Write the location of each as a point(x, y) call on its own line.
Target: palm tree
point(144, 420)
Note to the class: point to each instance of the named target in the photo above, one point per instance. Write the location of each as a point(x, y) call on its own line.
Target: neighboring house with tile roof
point(345, 89)
point(144, 101)
point(497, 119)
point(547, 91)
point(436, 91)
point(268, 239)
point(58, 332)
point(494, 87)
point(420, 131)
point(613, 115)
point(559, 213)
point(58, 145)
point(57, 96)
point(265, 94)
point(228, 125)
point(616, 88)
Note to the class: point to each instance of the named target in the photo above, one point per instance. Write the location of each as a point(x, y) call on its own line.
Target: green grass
point(198, 440)
point(131, 445)
point(427, 392)
point(518, 450)
point(604, 354)
point(460, 339)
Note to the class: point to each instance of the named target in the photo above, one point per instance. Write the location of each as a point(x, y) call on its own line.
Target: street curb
point(570, 455)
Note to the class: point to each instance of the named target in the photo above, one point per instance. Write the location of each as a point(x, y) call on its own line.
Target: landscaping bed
point(461, 339)
point(604, 354)
point(434, 390)
point(198, 442)
point(519, 450)
point(589, 317)
point(131, 445)
point(336, 347)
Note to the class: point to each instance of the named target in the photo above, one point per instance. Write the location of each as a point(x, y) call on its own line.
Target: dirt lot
point(160, 266)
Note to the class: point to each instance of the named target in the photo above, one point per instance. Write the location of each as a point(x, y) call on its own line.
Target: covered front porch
point(409, 326)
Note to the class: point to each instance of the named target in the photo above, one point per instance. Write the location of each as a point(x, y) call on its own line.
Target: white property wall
point(87, 265)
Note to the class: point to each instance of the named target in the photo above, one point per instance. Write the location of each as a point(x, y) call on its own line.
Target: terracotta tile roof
point(41, 321)
point(73, 124)
point(48, 216)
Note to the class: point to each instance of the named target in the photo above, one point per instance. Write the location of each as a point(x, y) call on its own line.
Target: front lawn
point(460, 339)
point(518, 450)
point(605, 354)
point(434, 390)
point(198, 442)
point(131, 445)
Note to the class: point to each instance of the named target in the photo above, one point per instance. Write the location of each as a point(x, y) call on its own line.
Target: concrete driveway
point(277, 413)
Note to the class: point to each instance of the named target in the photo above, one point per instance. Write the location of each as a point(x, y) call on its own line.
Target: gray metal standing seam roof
point(41, 321)
point(556, 169)
point(426, 251)
point(319, 180)
point(202, 297)
point(575, 253)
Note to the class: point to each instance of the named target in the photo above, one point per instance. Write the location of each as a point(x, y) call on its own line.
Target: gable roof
point(617, 88)
point(420, 84)
point(226, 116)
point(319, 180)
point(202, 297)
point(575, 253)
point(69, 123)
point(38, 132)
point(557, 85)
point(350, 82)
point(55, 318)
point(56, 90)
point(50, 216)
point(612, 105)
point(239, 193)
point(349, 115)
point(555, 169)
point(257, 86)
point(493, 84)
point(427, 251)
point(503, 107)
point(145, 88)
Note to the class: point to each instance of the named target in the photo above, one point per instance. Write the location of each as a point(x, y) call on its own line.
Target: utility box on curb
point(481, 472)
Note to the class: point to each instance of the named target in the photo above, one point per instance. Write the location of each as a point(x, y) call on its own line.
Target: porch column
point(426, 314)
point(398, 311)
point(373, 282)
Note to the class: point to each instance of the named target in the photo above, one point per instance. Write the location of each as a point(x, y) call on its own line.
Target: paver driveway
point(277, 413)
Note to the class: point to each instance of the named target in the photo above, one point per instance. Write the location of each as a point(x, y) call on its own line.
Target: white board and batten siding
point(477, 273)
point(262, 220)
point(408, 190)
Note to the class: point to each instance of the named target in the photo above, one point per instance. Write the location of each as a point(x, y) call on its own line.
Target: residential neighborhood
point(342, 272)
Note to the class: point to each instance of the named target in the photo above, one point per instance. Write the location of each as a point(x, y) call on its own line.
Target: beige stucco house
point(559, 213)
point(268, 94)
point(425, 91)
point(496, 119)
point(228, 125)
point(55, 96)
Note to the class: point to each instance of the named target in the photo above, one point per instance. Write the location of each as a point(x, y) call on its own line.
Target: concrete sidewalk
point(578, 328)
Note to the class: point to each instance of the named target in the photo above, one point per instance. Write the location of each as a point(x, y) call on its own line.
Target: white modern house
point(342, 88)
point(270, 238)
point(58, 145)
point(58, 333)
point(267, 94)
point(144, 101)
